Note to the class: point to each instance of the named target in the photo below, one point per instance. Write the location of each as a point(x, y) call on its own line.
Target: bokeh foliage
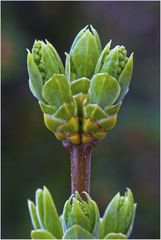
point(32, 157)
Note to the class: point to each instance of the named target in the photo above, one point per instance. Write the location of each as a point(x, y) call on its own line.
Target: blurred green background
point(32, 157)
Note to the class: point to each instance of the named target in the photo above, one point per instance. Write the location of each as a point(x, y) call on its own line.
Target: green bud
point(44, 215)
point(47, 59)
point(116, 63)
point(42, 63)
point(81, 103)
point(84, 53)
point(119, 215)
point(84, 214)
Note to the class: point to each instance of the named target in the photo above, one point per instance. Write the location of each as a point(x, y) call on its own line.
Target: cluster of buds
point(80, 103)
point(81, 219)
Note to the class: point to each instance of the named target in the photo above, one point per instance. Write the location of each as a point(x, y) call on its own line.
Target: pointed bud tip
point(109, 43)
point(38, 190)
point(66, 54)
point(29, 202)
point(87, 195)
point(45, 189)
point(28, 51)
point(47, 41)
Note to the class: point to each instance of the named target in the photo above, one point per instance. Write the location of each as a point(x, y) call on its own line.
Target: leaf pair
point(44, 216)
point(119, 215)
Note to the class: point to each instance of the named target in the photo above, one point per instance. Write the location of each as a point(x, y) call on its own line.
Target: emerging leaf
point(51, 218)
point(125, 78)
point(33, 215)
point(80, 86)
point(35, 79)
point(41, 234)
point(56, 90)
point(77, 232)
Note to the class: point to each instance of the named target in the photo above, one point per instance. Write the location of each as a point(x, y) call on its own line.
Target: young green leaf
point(78, 217)
point(110, 63)
point(77, 38)
point(96, 35)
point(67, 68)
point(59, 61)
point(56, 90)
point(85, 55)
point(77, 232)
point(132, 222)
point(66, 210)
point(115, 236)
point(125, 77)
point(32, 211)
point(96, 219)
point(66, 111)
point(108, 223)
point(126, 212)
point(104, 53)
point(35, 79)
point(39, 207)
point(51, 219)
point(49, 61)
point(108, 123)
point(104, 90)
point(81, 85)
point(41, 234)
point(113, 109)
point(94, 112)
point(52, 123)
point(49, 109)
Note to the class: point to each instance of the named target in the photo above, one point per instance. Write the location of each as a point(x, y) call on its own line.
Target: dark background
point(32, 157)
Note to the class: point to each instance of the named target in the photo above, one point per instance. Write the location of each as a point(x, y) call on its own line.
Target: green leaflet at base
point(94, 112)
point(90, 126)
point(52, 123)
point(66, 111)
point(41, 234)
point(113, 109)
point(79, 99)
point(108, 123)
point(115, 236)
point(50, 109)
point(77, 232)
point(71, 126)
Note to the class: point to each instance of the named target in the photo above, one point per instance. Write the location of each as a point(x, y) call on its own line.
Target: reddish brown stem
point(80, 156)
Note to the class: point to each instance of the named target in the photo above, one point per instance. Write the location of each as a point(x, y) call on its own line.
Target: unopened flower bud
point(119, 216)
point(83, 214)
point(84, 53)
